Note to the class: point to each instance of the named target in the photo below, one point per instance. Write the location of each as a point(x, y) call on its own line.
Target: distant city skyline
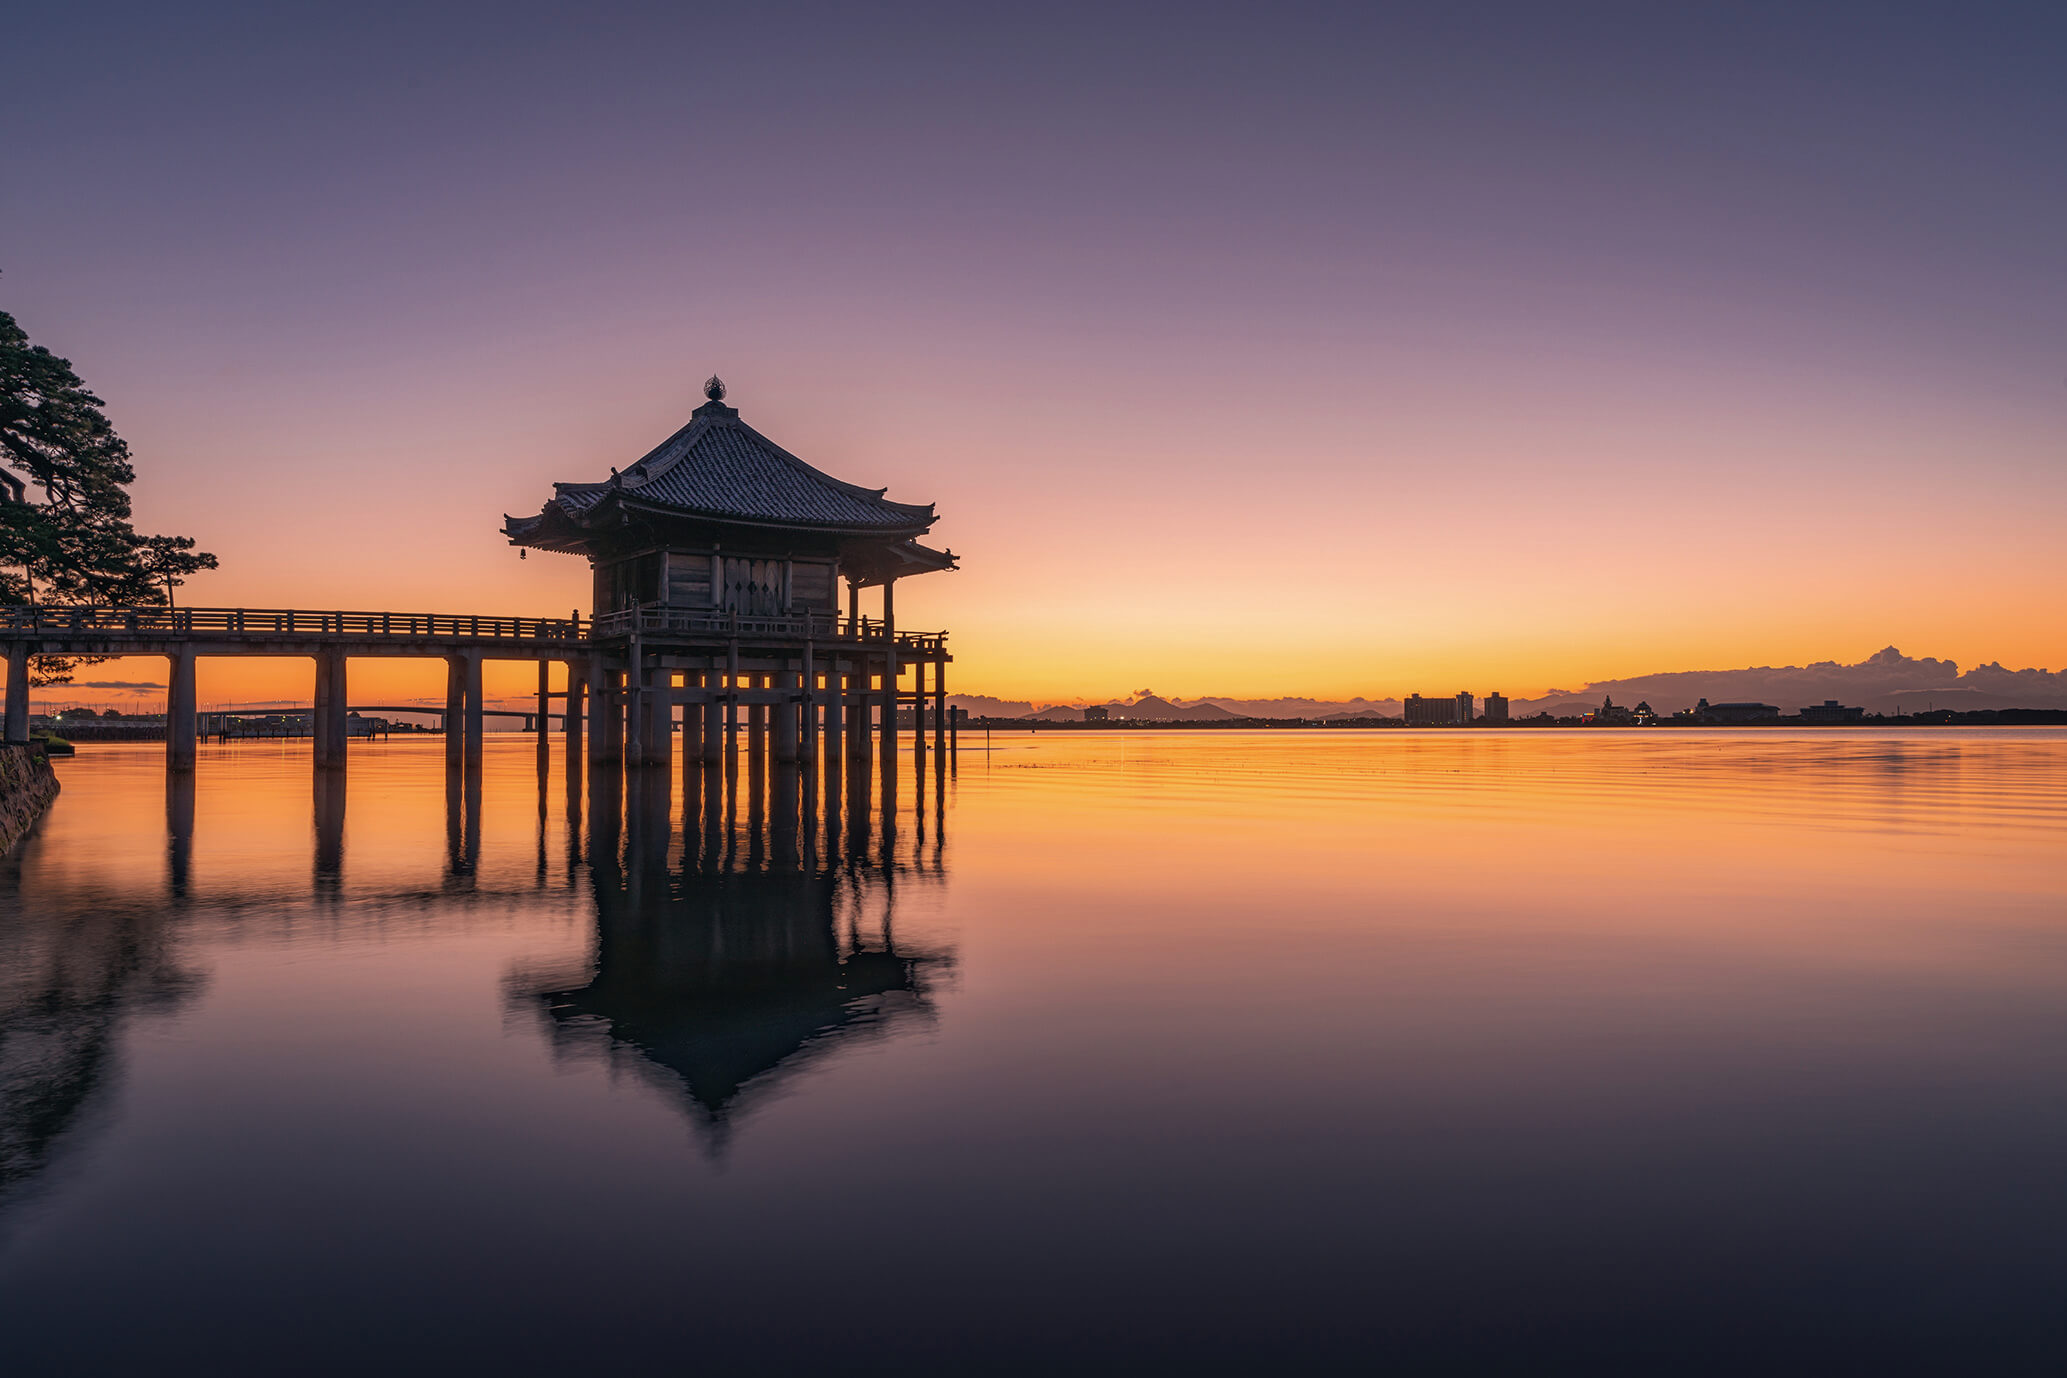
point(1347, 353)
point(1884, 681)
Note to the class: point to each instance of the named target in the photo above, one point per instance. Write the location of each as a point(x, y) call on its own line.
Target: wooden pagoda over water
point(718, 561)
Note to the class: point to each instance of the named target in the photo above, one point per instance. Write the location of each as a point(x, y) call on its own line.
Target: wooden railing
point(24, 620)
point(663, 621)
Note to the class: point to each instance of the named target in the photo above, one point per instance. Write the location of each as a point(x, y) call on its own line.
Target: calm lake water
point(1657, 1052)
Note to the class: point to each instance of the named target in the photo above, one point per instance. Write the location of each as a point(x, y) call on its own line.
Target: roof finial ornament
point(714, 388)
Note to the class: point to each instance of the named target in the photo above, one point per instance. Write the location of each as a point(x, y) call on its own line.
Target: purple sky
point(1504, 345)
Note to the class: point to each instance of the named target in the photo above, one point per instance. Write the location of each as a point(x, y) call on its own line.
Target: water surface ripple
point(1443, 1051)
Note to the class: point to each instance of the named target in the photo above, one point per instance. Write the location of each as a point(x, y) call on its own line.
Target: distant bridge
point(213, 721)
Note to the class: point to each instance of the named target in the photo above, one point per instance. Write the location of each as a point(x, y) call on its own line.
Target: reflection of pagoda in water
point(718, 982)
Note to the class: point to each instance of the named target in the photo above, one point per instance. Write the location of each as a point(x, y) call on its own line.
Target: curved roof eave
point(627, 501)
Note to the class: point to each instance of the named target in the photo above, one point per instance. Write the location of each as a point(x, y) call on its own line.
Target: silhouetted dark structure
point(719, 559)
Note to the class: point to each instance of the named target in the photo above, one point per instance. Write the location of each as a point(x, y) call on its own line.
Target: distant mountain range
point(1885, 682)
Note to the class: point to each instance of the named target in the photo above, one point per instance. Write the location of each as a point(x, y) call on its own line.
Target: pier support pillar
point(473, 708)
point(940, 703)
point(574, 706)
point(18, 693)
point(340, 708)
point(455, 710)
point(180, 711)
point(544, 704)
point(322, 708)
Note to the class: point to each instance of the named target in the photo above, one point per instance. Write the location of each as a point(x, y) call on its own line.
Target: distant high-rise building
point(1422, 712)
point(1496, 708)
point(1464, 708)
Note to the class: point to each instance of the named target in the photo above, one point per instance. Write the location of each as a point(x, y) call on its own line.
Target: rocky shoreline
point(27, 785)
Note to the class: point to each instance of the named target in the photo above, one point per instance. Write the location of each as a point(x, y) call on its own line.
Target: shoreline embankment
point(27, 785)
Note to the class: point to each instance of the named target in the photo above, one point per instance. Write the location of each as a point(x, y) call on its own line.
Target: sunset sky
point(1246, 350)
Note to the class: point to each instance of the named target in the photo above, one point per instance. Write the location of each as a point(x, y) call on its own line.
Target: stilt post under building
point(602, 743)
point(572, 710)
point(713, 718)
point(807, 744)
point(784, 712)
point(692, 721)
point(635, 705)
point(544, 702)
point(890, 677)
point(835, 708)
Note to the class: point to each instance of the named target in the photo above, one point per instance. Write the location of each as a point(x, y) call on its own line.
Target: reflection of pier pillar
point(858, 790)
point(18, 693)
point(180, 711)
point(606, 818)
point(462, 821)
point(756, 807)
point(833, 784)
point(330, 814)
point(713, 818)
point(782, 829)
point(179, 829)
point(455, 821)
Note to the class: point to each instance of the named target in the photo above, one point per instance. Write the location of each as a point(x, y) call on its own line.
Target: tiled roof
point(718, 466)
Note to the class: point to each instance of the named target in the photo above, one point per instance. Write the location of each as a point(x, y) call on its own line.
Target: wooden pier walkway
point(783, 684)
